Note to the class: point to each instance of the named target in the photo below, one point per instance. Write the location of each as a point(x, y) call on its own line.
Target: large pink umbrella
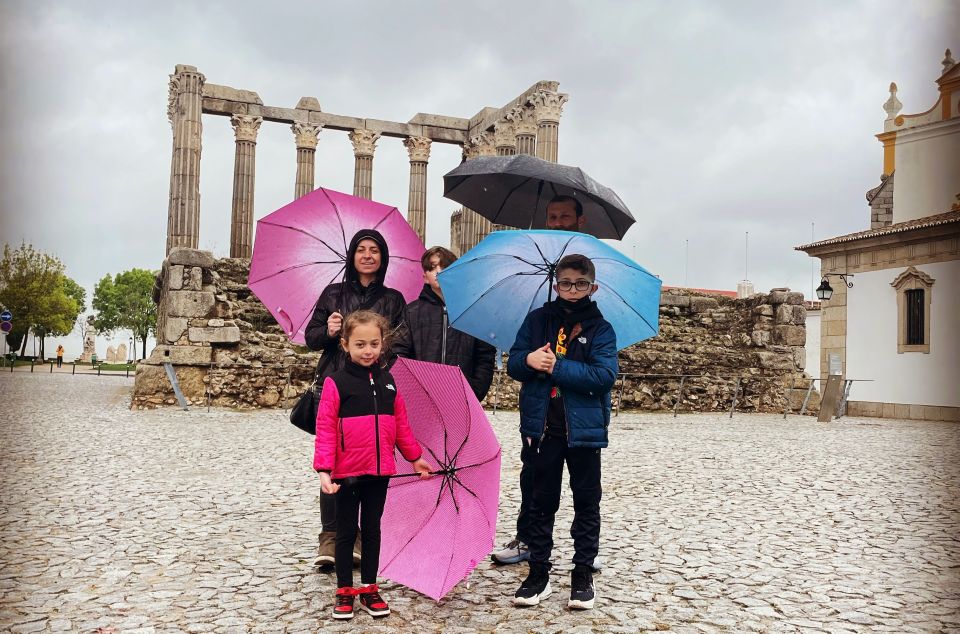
point(301, 248)
point(435, 531)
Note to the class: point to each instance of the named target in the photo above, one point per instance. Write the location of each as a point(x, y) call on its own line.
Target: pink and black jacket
point(361, 418)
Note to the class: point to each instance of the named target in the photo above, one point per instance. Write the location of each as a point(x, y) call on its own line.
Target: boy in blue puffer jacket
point(565, 355)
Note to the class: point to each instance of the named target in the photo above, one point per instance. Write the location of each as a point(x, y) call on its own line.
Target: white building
point(899, 324)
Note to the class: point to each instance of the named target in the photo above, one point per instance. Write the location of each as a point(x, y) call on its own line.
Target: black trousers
point(361, 498)
point(528, 452)
point(584, 467)
point(59, 362)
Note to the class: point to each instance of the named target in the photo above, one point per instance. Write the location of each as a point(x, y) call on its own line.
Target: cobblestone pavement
point(170, 521)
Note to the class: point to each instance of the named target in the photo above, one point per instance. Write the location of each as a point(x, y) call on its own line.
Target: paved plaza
point(172, 521)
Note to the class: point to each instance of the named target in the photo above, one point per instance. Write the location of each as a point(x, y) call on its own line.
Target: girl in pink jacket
point(360, 420)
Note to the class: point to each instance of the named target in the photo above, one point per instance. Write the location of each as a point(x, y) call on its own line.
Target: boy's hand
point(542, 359)
point(334, 323)
point(327, 485)
point(422, 467)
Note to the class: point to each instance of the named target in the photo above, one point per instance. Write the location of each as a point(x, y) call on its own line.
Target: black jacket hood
point(350, 272)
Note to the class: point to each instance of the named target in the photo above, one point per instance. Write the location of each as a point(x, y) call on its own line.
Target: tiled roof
point(900, 227)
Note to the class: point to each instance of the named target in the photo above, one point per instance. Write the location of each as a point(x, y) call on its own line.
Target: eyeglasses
point(580, 285)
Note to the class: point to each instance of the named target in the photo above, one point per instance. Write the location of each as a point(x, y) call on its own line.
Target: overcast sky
point(709, 119)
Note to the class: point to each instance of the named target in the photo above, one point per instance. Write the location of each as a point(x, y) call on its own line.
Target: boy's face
point(430, 275)
point(573, 285)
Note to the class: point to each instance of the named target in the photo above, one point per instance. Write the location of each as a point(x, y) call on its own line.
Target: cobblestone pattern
point(170, 521)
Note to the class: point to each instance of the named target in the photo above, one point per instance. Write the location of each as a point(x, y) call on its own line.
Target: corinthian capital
point(524, 120)
point(504, 134)
point(306, 134)
point(479, 145)
point(548, 106)
point(245, 127)
point(364, 142)
point(418, 148)
point(173, 92)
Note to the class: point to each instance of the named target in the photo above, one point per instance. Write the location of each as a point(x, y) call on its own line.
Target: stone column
point(473, 226)
point(419, 150)
point(306, 135)
point(525, 126)
point(547, 106)
point(504, 138)
point(244, 173)
point(363, 146)
point(184, 108)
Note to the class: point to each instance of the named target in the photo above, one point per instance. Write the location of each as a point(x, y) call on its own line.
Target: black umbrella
point(514, 191)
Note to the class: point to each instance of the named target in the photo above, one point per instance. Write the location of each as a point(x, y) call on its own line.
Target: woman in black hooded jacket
point(361, 289)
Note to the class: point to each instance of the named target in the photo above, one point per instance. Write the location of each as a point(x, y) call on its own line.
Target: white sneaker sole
point(375, 613)
point(343, 617)
point(573, 604)
point(535, 599)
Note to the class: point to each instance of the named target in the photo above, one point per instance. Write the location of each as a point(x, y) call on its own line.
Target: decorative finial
point(948, 61)
point(892, 105)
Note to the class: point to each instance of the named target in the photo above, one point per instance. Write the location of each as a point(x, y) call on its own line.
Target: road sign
point(6, 315)
point(6, 326)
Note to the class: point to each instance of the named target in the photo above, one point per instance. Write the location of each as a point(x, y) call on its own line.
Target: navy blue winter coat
point(585, 376)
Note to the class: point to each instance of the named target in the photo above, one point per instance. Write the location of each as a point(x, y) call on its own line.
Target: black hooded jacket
point(349, 296)
point(429, 337)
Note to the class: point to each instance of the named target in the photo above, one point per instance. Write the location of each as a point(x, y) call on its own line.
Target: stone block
point(800, 357)
point(194, 279)
point(216, 323)
point(795, 298)
point(175, 277)
point(774, 360)
point(790, 335)
point(917, 412)
point(901, 411)
point(173, 328)
point(791, 314)
point(778, 295)
point(667, 299)
point(760, 338)
point(702, 304)
point(189, 303)
point(227, 334)
point(190, 257)
point(179, 355)
point(888, 410)
point(764, 310)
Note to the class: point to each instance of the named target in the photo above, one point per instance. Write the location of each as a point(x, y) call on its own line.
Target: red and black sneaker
point(343, 603)
point(372, 602)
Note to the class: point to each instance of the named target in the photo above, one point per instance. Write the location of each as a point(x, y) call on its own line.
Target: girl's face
point(365, 344)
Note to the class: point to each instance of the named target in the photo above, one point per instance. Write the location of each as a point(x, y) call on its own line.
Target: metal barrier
point(841, 405)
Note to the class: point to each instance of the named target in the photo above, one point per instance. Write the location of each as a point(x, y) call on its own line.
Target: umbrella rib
point(336, 210)
point(382, 220)
point(630, 306)
point(416, 532)
point(290, 268)
point(492, 288)
point(306, 233)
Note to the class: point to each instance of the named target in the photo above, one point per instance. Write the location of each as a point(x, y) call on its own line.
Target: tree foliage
point(41, 297)
point(126, 301)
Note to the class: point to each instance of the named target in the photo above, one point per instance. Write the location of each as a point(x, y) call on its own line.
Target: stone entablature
point(227, 347)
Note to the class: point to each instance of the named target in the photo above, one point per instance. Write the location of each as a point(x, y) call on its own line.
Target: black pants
point(528, 451)
point(584, 467)
point(363, 497)
point(59, 362)
point(328, 512)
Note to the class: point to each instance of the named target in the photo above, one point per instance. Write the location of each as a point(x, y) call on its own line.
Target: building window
point(914, 290)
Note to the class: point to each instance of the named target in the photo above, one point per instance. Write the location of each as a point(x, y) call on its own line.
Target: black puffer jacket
point(429, 337)
point(349, 296)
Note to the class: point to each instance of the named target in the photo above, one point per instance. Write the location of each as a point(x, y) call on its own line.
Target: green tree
point(42, 299)
point(126, 301)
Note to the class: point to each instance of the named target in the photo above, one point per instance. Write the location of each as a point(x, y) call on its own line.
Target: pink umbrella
point(436, 530)
point(301, 248)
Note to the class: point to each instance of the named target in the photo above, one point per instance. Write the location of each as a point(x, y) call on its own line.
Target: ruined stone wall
point(228, 350)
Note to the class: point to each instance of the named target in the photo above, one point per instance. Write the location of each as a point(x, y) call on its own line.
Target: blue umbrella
point(495, 285)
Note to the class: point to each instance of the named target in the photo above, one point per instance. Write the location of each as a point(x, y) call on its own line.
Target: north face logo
point(390, 387)
point(582, 340)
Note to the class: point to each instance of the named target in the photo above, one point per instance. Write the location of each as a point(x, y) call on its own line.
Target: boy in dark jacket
point(565, 355)
point(429, 337)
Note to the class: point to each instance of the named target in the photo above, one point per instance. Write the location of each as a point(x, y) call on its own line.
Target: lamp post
point(131, 354)
point(825, 291)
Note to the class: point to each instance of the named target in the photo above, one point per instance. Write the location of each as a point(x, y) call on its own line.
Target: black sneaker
point(581, 588)
point(343, 603)
point(372, 602)
point(535, 587)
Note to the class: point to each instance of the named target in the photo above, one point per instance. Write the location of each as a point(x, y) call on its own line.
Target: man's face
point(367, 258)
point(562, 215)
point(568, 281)
point(430, 275)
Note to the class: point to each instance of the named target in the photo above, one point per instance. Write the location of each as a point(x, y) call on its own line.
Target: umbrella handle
point(410, 475)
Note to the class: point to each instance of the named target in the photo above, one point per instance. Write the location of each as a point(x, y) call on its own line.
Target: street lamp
point(130, 353)
point(825, 291)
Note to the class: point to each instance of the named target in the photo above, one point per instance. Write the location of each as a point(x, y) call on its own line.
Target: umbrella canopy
point(492, 288)
point(514, 191)
point(301, 248)
point(435, 531)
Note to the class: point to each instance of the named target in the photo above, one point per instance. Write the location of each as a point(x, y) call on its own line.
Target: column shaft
point(244, 178)
point(305, 170)
point(527, 144)
point(417, 204)
point(184, 109)
point(363, 177)
point(547, 137)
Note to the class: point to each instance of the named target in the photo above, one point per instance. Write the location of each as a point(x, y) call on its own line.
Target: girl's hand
point(422, 467)
point(327, 485)
point(334, 323)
